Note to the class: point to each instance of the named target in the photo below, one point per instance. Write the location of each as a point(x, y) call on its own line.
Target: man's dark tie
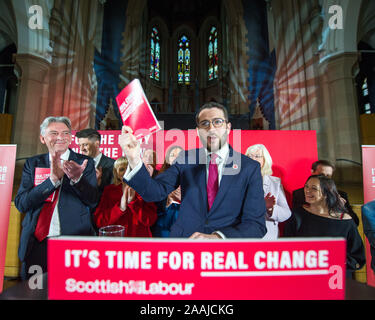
point(45, 216)
point(213, 180)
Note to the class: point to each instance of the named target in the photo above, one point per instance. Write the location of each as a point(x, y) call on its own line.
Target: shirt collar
point(222, 153)
point(97, 159)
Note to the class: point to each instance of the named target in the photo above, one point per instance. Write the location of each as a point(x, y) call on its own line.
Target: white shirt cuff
point(220, 234)
point(130, 173)
point(57, 184)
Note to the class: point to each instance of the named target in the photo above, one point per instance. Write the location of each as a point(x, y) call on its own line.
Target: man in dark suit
point(221, 189)
point(326, 168)
point(62, 203)
point(89, 144)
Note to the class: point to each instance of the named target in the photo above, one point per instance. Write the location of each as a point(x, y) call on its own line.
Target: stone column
point(31, 94)
point(342, 116)
point(32, 72)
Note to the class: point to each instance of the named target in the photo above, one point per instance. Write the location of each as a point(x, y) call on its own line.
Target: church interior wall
point(305, 80)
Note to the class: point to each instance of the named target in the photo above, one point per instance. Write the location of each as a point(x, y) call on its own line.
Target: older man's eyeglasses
point(217, 123)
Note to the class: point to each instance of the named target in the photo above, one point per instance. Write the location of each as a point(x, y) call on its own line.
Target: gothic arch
point(366, 23)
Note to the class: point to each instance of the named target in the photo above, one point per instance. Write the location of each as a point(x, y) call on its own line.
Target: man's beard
point(222, 142)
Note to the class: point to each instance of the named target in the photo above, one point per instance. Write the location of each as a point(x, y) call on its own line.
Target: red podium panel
point(171, 269)
point(7, 164)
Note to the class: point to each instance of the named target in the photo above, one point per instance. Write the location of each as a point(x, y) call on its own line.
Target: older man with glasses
point(57, 193)
point(222, 191)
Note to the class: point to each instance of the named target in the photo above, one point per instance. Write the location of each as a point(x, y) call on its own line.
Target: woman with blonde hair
point(276, 204)
point(121, 205)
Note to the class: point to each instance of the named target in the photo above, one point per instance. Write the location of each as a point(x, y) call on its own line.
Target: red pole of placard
point(7, 164)
point(368, 165)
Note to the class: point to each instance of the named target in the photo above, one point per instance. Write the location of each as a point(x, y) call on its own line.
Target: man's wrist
point(55, 181)
point(74, 181)
point(134, 162)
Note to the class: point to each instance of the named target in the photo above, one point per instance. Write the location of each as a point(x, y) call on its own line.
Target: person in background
point(89, 144)
point(149, 160)
point(276, 204)
point(324, 215)
point(327, 169)
point(63, 202)
point(121, 205)
point(368, 219)
point(168, 209)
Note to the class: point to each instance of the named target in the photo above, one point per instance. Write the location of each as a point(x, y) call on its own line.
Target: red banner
point(137, 269)
point(292, 152)
point(7, 164)
point(368, 167)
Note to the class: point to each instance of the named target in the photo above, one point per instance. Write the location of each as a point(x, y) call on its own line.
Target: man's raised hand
point(130, 146)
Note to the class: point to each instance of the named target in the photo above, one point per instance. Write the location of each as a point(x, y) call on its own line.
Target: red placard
point(171, 269)
point(42, 174)
point(368, 167)
point(135, 110)
point(7, 164)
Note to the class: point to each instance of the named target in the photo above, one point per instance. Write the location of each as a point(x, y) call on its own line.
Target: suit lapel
point(44, 161)
point(104, 161)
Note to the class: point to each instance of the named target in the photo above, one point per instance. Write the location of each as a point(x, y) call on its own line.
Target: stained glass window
point(183, 60)
point(213, 69)
point(155, 55)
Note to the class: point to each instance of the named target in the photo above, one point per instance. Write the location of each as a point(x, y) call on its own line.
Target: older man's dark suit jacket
point(75, 203)
point(239, 207)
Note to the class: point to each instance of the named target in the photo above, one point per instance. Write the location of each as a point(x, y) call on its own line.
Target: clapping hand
point(99, 173)
point(128, 195)
point(130, 145)
point(270, 202)
point(57, 171)
point(74, 170)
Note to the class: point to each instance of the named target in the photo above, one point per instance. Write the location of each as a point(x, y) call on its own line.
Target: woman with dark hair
point(168, 209)
point(324, 215)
